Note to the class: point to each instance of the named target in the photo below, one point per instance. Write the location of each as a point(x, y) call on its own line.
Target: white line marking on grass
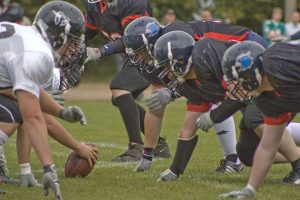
point(109, 145)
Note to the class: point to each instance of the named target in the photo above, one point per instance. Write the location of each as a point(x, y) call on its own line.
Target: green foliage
point(111, 181)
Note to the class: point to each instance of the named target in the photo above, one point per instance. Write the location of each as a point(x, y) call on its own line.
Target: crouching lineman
point(185, 65)
point(272, 78)
point(58, 32)
point(251, 130)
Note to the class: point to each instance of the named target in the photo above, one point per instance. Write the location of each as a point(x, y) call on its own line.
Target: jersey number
point(6, 30)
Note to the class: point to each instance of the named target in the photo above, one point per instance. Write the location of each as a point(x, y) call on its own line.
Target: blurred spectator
point(12, 12)
point(206, 15)
point(169, 16)
point(293, 26)
point(274, 28)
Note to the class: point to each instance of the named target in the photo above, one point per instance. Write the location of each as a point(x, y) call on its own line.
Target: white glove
point(204, 122)
point(247, 192)
point(73, 114)
point(159, 99)
point(92, 53)
point(28, 180)
point(50, 180)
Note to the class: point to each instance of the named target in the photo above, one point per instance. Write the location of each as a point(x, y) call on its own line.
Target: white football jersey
point(26, 59)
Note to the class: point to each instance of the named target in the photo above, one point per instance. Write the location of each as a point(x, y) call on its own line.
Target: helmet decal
point(244, 61)
point(152, 29)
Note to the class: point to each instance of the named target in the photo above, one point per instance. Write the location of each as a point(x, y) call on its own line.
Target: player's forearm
point(113, 47)
point(225, 110)
point(49, 105)
point(60, 134)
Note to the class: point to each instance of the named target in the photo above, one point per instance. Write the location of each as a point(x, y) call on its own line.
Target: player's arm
point(58, 132)
point(221, 113)
point(50, 106)
point(225, 110)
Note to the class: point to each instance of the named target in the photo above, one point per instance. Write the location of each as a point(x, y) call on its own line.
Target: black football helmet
point(242, 67)
point(62, 25)
point(173, 53)
point(139, 38)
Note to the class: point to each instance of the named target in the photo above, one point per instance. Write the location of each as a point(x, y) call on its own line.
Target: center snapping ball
point(76, 166)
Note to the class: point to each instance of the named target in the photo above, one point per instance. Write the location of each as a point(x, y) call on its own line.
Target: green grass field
point(118, 181)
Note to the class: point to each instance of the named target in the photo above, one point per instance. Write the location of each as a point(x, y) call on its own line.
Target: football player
point(271, 77)
point(251, 130)
point(111, 18)
point(197, 69)
point(58, 32)
point(139, 39)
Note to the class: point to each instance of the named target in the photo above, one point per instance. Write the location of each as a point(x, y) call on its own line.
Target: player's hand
point(50, 181)
point(88, 152)
point(167, 175)
point(243, 194)
point(92, 53)
point(159, 99)
point(204, 122)
point(73, 114)
point(28, 180)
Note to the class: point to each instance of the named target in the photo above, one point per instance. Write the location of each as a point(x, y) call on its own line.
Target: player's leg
point(23, 152)
point(153, 144)
point(125, 86)
point(226, 134)
point(10, 118)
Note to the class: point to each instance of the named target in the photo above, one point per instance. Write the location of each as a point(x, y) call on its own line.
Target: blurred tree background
point(249, 13)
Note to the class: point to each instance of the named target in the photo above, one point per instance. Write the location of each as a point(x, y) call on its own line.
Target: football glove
point(247, 192)
point(73, 114)
point(28, 180)
point(50, 180)
point(204, 122)
point(92, 54)
point(159, 99)
point(167, 175)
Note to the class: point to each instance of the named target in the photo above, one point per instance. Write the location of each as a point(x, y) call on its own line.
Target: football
point(76, 166)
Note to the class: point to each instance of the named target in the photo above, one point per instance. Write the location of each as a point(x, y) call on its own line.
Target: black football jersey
point(113, 17)
point(281, 64)
point(219, 30)
point(202, 29)
point(207, 62)
point(14, 14)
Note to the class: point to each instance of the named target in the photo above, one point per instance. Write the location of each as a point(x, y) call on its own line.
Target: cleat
point(167, 175)
point(133, 154)
point(143, 165)
point(162, 149)
point(293, 178)
point(227, 166)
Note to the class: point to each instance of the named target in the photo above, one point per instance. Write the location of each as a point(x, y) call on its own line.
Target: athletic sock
point(142, 113)
point(184, 151)
point(148, 153)
point(130, 115)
